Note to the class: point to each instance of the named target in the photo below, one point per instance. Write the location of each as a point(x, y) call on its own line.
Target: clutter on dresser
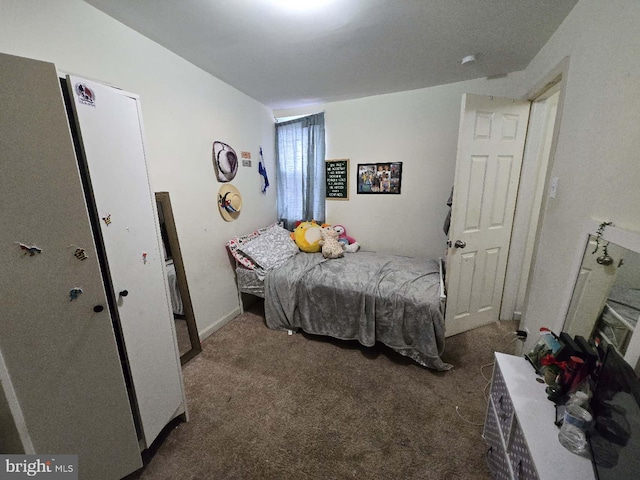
point(565, 363)
point(596, 395)
point(521, 440)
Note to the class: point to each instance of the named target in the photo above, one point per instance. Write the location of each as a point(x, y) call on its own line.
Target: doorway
point(185, 323)
point(538, 150)
point(547, 98)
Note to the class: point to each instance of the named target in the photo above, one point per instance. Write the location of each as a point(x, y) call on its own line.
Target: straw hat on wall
point(229, 202)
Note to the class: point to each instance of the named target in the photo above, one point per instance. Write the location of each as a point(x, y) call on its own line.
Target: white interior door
point(490, 147)
point(109, 123)
point(62, 377)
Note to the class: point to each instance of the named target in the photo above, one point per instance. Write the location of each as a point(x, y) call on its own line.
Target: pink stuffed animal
point(348, 243)
point(342, 235)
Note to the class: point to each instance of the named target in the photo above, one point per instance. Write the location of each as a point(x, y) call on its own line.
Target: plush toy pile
point(311, 238)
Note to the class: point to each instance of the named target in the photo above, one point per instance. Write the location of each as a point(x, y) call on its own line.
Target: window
point(300, 152)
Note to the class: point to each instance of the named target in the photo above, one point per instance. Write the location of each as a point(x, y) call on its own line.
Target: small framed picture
point(381, 178)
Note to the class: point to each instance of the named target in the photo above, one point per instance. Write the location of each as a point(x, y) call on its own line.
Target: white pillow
point(271, 249)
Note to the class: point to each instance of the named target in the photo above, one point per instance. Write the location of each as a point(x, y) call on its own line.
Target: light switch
point(553, 188)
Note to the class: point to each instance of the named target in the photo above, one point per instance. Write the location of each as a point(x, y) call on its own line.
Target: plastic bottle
point(573, 439)
point(579, 398)
point(572, 434)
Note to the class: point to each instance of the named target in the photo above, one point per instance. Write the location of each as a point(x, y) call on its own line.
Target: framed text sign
point(337, 178)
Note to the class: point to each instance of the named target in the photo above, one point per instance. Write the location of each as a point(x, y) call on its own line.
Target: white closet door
point(63, 377)
point(110, 125)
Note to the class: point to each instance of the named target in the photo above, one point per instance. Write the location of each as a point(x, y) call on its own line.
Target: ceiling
point(344, 49)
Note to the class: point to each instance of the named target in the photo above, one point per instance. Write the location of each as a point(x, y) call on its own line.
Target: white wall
point(418, 128)
point(184, 111)
point(598, 147)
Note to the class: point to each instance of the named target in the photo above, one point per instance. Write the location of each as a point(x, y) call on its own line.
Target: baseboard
point(218, 324)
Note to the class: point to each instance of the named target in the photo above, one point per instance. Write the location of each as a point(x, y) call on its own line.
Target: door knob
point(460, 244)
point(124, 293)
point(98, 308)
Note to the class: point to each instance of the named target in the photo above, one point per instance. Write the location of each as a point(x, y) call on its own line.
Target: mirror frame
point(624, 238)
point(164, 200)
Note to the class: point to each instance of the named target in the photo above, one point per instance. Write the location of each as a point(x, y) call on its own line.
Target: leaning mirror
point(185, 322)
point(605, 304)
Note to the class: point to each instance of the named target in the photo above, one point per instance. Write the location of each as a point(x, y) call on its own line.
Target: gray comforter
point(363, 296)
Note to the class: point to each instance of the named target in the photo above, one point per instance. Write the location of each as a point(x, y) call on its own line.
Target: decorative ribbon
point(226, 204)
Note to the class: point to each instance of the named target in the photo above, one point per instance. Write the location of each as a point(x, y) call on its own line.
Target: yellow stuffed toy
point(307, 236)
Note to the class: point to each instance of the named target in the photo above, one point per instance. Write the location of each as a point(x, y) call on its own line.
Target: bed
point(364, 296)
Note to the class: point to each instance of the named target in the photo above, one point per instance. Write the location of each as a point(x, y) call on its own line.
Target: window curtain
point(300, 178)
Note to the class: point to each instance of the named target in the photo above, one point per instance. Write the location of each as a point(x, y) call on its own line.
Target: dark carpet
point(267, 405)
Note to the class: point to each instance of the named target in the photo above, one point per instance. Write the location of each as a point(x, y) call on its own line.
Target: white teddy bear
point(331, 248)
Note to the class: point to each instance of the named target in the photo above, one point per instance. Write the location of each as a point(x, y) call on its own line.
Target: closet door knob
point(98, 308)
point(124, 293)
point(460, 244)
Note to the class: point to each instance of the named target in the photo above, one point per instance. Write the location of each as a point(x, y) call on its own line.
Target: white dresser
point(519, 430)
